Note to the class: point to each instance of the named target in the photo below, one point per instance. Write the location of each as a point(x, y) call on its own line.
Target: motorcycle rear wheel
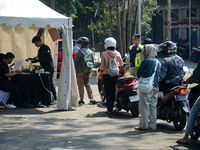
point(134, 109)
point(180, 121)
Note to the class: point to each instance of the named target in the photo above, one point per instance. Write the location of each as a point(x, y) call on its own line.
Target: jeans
point(9, 87)
point(191, 120)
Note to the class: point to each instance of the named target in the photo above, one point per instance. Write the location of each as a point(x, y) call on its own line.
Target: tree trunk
point(119, 35)
point(123, 27)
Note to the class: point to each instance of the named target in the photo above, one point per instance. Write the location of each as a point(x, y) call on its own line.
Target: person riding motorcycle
point(171, 67)
point(195, 109)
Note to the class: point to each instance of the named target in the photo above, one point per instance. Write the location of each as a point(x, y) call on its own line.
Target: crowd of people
point(143, 63)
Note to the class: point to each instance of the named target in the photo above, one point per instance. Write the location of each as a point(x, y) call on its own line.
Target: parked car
point(60, 53)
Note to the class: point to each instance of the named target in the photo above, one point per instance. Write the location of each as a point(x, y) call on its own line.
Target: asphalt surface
point(85, 127)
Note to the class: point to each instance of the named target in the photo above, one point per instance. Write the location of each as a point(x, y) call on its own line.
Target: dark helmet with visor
point(84, 41)
point(168, 47)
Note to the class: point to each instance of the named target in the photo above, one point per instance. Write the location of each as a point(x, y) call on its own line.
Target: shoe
point(93, 101)
point(10, 106)
point(81, 102)
point(139, 128)
point(108, 112)
point(180, 142)
point(53, 102)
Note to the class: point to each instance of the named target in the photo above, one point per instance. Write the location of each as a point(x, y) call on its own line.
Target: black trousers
point(109, 86)
point(52, 86)
point(12, 89)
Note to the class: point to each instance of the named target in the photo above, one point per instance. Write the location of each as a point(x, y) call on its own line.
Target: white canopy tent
point(20, 20)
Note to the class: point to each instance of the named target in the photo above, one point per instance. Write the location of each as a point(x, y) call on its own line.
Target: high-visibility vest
point(138, 60)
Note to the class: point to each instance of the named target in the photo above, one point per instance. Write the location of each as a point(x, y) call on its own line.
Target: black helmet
point(169, 47)
point(84, 41)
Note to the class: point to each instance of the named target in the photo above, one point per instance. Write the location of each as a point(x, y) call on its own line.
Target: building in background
point(179, 21)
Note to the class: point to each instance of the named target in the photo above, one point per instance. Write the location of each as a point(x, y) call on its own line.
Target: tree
point(117, 22)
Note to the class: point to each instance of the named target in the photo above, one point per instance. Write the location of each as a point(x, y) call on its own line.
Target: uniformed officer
point(45, 59)
point(136, 55)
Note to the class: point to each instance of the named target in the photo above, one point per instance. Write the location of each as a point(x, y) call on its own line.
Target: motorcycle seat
point(125, 78)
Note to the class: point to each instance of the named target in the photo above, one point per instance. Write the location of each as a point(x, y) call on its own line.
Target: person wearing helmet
point(108, 80)
point(169, 76)
point(136, 55)
point(83, 72)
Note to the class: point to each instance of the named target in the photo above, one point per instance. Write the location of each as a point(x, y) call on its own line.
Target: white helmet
point(110, 42)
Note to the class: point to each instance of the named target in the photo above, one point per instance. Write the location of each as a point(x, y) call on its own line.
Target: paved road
point(85, 127)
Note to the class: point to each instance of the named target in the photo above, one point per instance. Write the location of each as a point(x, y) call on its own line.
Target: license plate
point(134, 98)
point(181, 97)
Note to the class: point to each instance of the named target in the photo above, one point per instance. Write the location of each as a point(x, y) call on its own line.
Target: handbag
point(145, 85)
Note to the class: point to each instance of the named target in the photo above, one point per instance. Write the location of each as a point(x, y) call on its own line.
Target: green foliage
point(102, 24)
point(66, 7)
point(147, 12)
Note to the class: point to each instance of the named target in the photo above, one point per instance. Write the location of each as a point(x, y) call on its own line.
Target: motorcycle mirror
point(127, 55)
point(186, 69)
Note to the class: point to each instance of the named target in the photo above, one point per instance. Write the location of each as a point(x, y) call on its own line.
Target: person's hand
point(36, 58)
point(185, 82)
point(18, 71)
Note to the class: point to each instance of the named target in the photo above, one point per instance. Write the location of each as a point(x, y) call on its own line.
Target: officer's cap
point(136, 36)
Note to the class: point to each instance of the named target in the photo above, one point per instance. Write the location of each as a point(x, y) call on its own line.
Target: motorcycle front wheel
point(180, 121)
point(194, 58)
point(196, 134)
point(134, 109)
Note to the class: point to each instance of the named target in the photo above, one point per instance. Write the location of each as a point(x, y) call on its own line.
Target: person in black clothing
point(1, 57)
point(5, 84)
point(45, 59)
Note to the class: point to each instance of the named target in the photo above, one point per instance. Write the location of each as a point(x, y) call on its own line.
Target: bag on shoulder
point(88, 61)
point(145, 85)
point(113, 69)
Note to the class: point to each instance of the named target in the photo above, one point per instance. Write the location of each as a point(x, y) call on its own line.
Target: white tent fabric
point(28, 13)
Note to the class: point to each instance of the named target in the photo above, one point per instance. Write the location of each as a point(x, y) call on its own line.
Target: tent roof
point(29, 12)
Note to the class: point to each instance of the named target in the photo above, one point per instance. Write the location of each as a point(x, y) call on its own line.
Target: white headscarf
point(150, 50)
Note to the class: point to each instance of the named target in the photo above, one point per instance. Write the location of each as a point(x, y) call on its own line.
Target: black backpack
point(88, 61)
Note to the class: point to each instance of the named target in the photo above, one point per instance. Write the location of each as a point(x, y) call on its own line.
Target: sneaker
point(81, 102)
point(93, 101)
point(108, 112)
point(53, 102)
point(10, 106)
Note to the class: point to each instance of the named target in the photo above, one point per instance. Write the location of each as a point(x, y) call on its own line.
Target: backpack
point(113, 69)
point(88, 61)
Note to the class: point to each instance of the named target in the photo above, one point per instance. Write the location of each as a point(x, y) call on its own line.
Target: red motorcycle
point(174, 106)
point(126, 96)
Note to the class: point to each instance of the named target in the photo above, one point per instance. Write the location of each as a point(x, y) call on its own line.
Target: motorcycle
point(126, 95)
point(183, 49)
point(173, 106)
point(195, 56)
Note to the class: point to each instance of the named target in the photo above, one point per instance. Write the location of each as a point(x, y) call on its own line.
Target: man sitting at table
point(45, 59)
point(5, 84)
